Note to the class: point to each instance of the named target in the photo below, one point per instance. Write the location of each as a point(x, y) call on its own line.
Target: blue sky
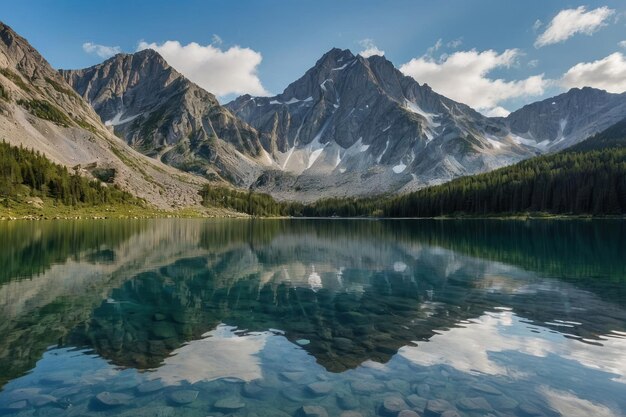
point(278, 40)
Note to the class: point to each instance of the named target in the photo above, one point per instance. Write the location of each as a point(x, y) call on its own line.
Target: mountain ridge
point(39, 110)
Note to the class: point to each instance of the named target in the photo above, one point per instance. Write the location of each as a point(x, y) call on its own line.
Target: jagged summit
point(40, 111)
point(564, 120)
point(164, 115)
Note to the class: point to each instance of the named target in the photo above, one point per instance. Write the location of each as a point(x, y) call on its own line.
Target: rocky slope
point(39, 110)
point(351, 126)
point(162, 114)
point(565, 120)
point(357, 126)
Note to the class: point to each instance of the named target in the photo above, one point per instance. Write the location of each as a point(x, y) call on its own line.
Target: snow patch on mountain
point(117, 120)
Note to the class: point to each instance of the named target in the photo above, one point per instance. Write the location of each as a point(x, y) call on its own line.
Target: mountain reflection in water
point(536, 310)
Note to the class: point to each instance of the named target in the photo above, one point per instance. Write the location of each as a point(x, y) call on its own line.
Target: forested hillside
point(25, 173)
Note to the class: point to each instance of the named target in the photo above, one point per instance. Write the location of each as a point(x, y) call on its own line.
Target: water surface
point(264, 317)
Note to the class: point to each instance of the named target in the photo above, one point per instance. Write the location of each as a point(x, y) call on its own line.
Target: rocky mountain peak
point(564, 120)
point(164, 115)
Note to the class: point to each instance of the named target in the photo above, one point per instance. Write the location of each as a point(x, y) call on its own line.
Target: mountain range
point(40, 111)
point(350, 126)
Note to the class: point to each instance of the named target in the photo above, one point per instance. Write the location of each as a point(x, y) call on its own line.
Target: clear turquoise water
point(265, 317)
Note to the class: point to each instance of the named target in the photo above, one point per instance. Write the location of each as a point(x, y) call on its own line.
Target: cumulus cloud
point(369, 48)
point(608, 73)
point(622, 44)
point(569, 22)
point(464, 76)
point(102, 51)
point(222, 72)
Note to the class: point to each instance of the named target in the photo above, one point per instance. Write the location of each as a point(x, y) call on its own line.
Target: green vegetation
point(45, 110)
point(4, 93)
point(60, 88)
point(591, 182)
point(17, 80)
point(28, 175)
point(248, 202)
point(85, 125)
point(588, 180)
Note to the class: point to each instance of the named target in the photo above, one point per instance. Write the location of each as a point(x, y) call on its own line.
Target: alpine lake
point(304, 318)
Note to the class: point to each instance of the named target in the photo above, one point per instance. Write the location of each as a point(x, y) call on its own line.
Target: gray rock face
point(359, 126)
point(562, 121)
point(164, 115)
point(71, 133)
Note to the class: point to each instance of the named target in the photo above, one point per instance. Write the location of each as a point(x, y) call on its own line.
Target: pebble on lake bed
point(229, 404)
point(113, 399)
point(311, 411)
point(183, 396)
point(435, 408)
point(391, 406)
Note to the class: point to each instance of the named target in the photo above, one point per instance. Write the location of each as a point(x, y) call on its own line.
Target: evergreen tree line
point(578, 183)
point(24, 172)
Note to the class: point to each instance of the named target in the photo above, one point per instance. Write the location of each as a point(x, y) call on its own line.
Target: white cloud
point(455, 43)
point(430, 51)
point(463, 76)
point(537, 25)
point(533, 63)
point(369, 48)
point(221, 72)
point(569, 22)
point(608, 73)
point(497, 111)
point(216, 40)
point(102, 51)
point(622, 44)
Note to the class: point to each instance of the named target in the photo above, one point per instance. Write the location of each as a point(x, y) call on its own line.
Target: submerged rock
point(351, 414)
point(423, 390)
point(42, 399)
point(254, 390)
point(416, 401)
point(529, 410)
point(346, 401)
point(408, 413)
point(435, 408)
point(312, 411)
point(229, 404)
point(391, 406)
point(150, 386)
point(366, 387)
point(113, 399)
point(476, 404)
point(319, 389)
point(183, 396)
point(486, 389)
point(18, 405)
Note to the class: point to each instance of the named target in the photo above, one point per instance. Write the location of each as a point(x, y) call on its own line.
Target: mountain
point(358, 126)
point(613, 137)
point(565, 120)
point(162, 114)
point(586, 179)
point(39, 110)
